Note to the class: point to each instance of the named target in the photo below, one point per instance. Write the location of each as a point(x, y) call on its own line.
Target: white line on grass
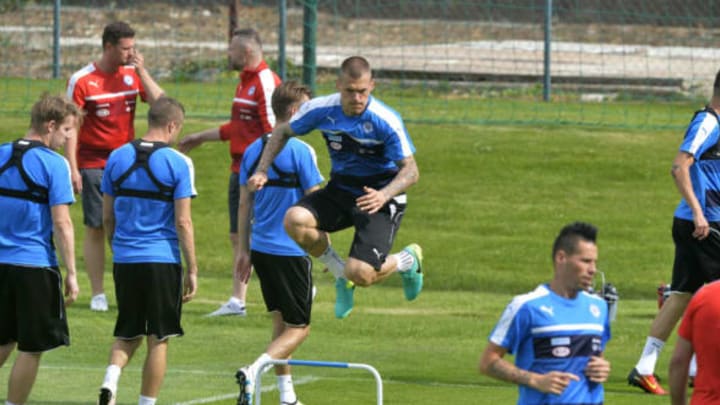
point(305, 379)
point(133, 369)
point(267, 388)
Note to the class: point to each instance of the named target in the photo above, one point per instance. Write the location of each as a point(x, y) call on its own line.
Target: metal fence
point(459, 61)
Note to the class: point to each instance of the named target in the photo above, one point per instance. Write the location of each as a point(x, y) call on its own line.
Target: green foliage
point(198, 70)
point(188, 70)
point(12, 5)
point(513, 106)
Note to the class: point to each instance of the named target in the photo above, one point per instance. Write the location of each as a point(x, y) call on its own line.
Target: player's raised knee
point(297, 218)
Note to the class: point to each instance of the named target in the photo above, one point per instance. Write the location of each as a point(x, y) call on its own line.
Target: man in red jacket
point(252, 116)
point(107, 90)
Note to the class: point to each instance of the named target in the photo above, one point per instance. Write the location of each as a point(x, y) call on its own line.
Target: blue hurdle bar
point(313, 363)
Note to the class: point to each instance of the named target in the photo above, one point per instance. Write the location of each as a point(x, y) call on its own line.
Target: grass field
point(489, 201)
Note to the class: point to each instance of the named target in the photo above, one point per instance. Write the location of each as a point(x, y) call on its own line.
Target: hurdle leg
point(314, 363)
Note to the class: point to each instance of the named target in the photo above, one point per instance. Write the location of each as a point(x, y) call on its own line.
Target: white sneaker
point(99, 303)
point(229, 308)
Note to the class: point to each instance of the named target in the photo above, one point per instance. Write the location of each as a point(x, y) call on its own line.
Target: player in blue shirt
point(147, 188)
point(35, 197)
point(695, 232)
point(557, 332)
point(372, 166)
point(283, 267)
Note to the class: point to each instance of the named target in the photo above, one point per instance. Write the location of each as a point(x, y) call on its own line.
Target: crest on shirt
point(102, 112)
point(128, 80)
point(251, 90)
point(335, 145)
point(367, 127)
point(594, 310)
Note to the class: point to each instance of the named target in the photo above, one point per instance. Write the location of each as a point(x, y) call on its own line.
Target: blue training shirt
point(547, 332)
point(702, 134)
point(271, 202)
point(145, 228)
point(26, 228)
point(365, 146)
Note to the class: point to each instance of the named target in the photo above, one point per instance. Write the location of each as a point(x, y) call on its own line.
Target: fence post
point(56, 40)
point(309, 43)
point(282, 32)
point(233, 7)
point(546, 59)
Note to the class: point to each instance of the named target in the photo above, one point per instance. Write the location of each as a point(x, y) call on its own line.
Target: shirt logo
point(594, 310)
point(128, 80)
point(335, 145)
point(331, 119)
point(251, 90)
point(561, 351)
point(377, 253)
point(93, 83)
point(367, 127)
point(547, 310)
point(102, 113)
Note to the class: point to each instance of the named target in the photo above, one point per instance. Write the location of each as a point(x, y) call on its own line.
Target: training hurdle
point(314, 363)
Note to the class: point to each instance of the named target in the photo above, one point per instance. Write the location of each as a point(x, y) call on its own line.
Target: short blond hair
point(52, 108)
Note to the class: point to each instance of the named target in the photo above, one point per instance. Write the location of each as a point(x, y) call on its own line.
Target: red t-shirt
point(252, 115)
point(701, 326)
point(109, 102)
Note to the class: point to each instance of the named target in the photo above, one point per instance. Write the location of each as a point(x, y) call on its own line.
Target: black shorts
point(335, 209)
point(92, 198)
point(149, 299)
point(32, 308)
point(696, 261)
point(286, 284)
point(233, 201)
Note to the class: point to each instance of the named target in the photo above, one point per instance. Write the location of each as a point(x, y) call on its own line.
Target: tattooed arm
point(373, 199)
point(494, 365)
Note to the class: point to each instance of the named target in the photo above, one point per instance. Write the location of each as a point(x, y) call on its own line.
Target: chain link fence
point(628, 63)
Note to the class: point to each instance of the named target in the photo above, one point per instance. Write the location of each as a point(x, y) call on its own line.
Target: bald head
point(245, 49)
point(249, 37)
point(355, 67)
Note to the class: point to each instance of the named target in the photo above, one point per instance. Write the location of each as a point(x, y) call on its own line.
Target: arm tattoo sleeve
point(504, 370)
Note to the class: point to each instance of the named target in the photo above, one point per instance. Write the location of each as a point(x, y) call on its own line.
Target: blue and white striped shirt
point(547, 332)
point(364, 146)
point(702, 134)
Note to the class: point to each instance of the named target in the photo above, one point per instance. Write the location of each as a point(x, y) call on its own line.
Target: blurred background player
point(147, 189)
point(284, 269)
point(372, 166)
point(252, 116)
point(558, 332)
point(35, 194)
point(107, 91)
point(697, 336)
point(695, 232)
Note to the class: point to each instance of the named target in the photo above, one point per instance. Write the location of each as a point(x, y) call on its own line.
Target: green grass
point(489, 201)
point(419, 103)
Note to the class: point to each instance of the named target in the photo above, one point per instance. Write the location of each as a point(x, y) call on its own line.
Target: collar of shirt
point(253, 72)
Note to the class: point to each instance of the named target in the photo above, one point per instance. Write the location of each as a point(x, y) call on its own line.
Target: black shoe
point(647, 383)
point(106, 397)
